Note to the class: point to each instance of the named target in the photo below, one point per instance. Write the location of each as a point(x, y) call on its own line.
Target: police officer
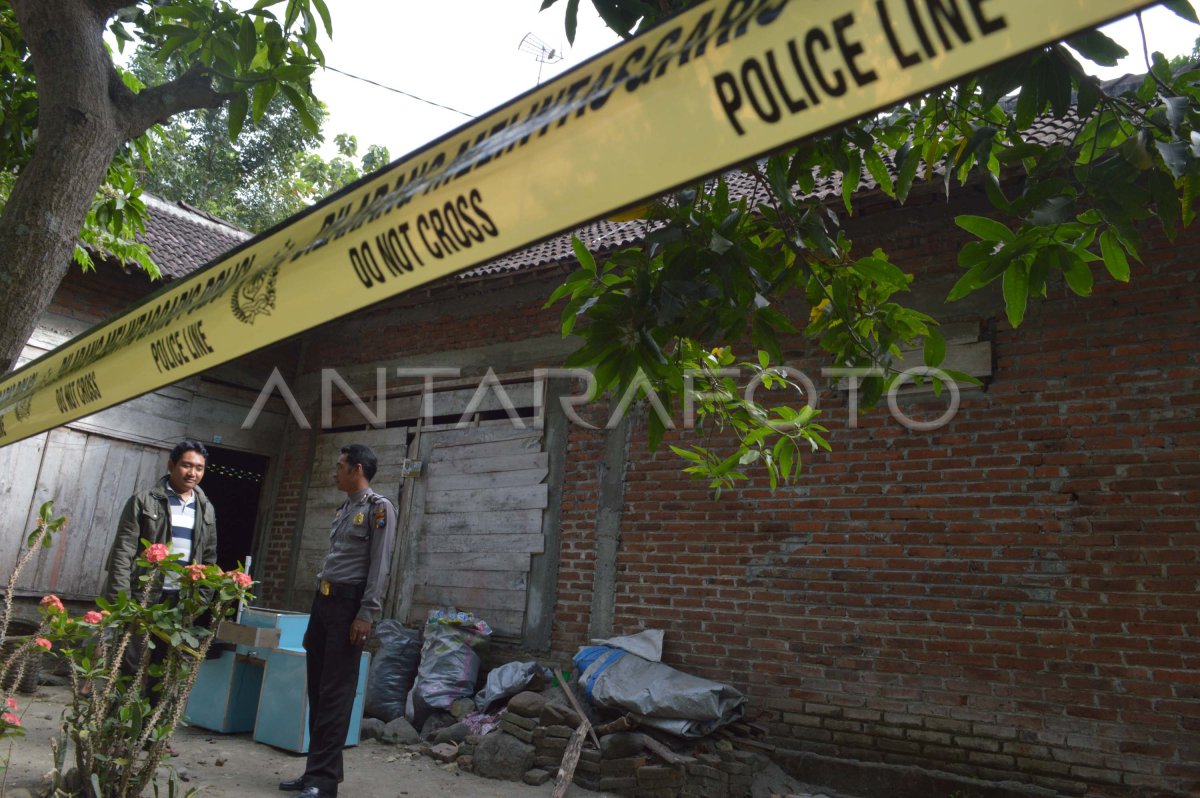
point(349, 600)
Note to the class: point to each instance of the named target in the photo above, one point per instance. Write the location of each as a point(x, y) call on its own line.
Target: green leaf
point(1174, 155)
point(1166, 202)
point(263, 93)
point(302, 110)
point(1183, 8)
point(247, 42)
point(962, 376)
point(1078, 276)
point(1016, 292)
point(882, 272)
point(977, 277)
point(238, 107)
point(908, 171)
point(851, 177)
point(1114, 256)
point(686, 454)
point(984, 228)
point(586, 261)
point(572, 21)
point(323, 12)
point(879, 171)
point(1098, 48)
point(934, 350)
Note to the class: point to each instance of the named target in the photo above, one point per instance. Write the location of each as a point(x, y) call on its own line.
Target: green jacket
point(147, 515)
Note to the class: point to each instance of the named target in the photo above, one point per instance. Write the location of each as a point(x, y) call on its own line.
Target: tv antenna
point(541, 52)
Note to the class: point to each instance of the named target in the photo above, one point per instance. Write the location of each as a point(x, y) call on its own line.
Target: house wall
point(1011, 596)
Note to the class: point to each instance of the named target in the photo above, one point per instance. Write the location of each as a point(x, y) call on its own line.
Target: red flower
point(195, 571)
point(52, 603)
point(42, 642)
point(10, 703)
point(156, 553)
point(242, 579)
point(92, 617)
point(11, 719)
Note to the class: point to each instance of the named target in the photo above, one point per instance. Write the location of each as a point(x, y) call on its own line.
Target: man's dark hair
point(357, 454)
point(188, 446)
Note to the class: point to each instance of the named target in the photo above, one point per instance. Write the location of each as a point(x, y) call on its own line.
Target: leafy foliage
point(268, 173)
point(715, 276)
point(248, 57)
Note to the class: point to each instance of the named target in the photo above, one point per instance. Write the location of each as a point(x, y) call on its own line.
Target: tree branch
point(191, 91)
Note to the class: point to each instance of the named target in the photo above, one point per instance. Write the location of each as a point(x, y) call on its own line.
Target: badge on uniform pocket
point(358, 519)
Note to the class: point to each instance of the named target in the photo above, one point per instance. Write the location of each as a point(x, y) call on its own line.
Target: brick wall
point(1012, 596)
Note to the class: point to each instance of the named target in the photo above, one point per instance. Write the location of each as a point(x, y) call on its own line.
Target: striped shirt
point(183, 526)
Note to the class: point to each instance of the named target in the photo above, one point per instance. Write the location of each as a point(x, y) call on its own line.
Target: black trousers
point(332, 665)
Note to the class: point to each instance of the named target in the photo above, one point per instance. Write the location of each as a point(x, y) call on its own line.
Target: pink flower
point(10, 702)
point(92, 617)
point(11, 719)
point(42, 642)
point(242, 579)
point(156, 553)
point(52, 603)
point(195, 571)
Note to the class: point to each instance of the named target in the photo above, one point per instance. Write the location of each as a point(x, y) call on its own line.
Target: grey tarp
point(660, 696)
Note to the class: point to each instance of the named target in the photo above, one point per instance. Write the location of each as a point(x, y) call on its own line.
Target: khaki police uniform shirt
point(360, 549)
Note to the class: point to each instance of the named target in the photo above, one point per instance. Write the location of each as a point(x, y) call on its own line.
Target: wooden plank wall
point(476, 518)
point(89, 477)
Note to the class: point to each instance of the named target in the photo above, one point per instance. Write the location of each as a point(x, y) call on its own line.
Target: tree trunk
point(79, 130)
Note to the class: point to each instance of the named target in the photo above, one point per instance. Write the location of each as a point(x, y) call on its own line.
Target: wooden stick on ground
point(566, 771)
point(570, 693)
point(666, 754)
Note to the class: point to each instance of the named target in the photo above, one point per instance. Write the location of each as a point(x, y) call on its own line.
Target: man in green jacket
point(175, 512)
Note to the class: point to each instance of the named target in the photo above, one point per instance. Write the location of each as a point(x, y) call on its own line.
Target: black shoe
point(314, 791)
point(292, 785)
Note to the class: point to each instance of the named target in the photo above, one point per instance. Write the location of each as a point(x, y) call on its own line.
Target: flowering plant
point(132, 665)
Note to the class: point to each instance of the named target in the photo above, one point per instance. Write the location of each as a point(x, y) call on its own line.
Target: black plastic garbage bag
point(393, 670)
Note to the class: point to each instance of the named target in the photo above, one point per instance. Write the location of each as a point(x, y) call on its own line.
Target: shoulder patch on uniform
point(380, 516)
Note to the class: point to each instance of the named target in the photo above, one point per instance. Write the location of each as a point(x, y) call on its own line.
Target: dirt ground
point(253, 770)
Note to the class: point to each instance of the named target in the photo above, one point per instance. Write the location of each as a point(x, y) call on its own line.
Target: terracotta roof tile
point(183, 238)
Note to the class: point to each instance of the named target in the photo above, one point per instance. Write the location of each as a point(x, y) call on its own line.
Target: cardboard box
point(252, 636)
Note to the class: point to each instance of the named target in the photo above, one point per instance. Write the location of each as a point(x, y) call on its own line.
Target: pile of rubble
point(530, 738)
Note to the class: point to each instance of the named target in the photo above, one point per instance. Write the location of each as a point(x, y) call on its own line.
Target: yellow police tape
point(725, 82)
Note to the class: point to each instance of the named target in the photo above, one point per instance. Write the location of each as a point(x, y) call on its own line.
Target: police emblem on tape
point(255, 295)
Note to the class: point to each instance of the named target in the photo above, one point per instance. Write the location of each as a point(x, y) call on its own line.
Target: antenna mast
point(541, 52)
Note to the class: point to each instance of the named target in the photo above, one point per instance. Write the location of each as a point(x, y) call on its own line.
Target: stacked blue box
point(225, 695)
point(282, 719)
point(263, 689)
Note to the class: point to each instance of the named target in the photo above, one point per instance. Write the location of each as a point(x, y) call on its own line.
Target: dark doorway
point(233, 482)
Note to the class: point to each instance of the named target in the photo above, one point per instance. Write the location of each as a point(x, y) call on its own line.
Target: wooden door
point(472, 522)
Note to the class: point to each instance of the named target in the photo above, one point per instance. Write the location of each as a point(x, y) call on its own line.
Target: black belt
point(340, 589)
